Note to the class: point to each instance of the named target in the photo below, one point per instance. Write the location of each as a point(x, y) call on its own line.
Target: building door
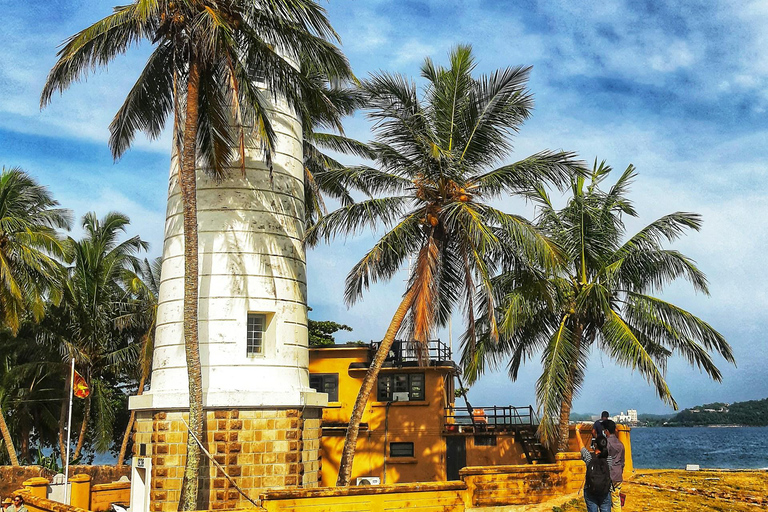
point(455, 456)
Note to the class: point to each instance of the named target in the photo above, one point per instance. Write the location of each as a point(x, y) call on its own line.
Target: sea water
point(709, 447)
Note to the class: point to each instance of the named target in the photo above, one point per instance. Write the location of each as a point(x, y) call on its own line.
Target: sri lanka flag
point(80, 387)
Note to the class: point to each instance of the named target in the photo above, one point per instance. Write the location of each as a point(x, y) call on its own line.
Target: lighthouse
point(262, 420)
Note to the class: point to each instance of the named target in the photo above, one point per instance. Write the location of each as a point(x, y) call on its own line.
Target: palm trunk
point(8, 440)
point(129, 427)
point(563, 427)
point(565, 405)
point(350, 443)
point(83, 428)
point(24, 448)
point(188, 184)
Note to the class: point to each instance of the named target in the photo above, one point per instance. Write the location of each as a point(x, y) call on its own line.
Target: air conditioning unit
point(401, 396)
point(368, 480)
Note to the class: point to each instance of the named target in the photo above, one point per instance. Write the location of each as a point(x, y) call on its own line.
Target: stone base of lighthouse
point(259, 448)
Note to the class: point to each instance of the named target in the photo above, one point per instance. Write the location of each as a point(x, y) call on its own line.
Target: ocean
point(709, 447)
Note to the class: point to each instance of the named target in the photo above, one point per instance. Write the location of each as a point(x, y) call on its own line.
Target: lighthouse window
point(326, 383)
point(257, 324)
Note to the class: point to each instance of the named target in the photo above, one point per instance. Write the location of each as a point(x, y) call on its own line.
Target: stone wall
point(102, 474)
point(11, 477)
point(259, 449)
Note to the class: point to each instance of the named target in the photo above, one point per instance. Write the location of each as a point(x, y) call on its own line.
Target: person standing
point(597, 427)
point(597, 483)
point(616, 451)
point(18, 505)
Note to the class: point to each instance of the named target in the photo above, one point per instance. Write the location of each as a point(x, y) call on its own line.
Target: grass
point(682, 491)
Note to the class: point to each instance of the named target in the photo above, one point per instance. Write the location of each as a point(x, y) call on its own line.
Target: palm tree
point(8, 440)
point(599, 299)
point(324, 176)
point(208, 56)
point(28, 220)
point(143, 285)
point(437, 162)
point(31, 383)
point(93, 292)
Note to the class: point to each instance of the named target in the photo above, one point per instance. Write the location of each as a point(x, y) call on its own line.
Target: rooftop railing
point(409, 352)
point(492, 418)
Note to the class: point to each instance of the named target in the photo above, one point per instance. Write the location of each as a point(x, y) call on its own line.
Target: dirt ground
point(701, 491)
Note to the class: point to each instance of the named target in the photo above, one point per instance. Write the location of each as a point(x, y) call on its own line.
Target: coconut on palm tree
point(29, 217)
point(600, 300)
point(438, 167)
point(217, 68)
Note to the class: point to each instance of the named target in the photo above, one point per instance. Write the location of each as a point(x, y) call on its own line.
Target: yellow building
point(412, 430)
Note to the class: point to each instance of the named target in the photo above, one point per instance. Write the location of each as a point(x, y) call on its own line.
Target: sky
point(679, 89)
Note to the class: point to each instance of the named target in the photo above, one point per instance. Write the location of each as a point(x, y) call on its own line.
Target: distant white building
point(629, 417)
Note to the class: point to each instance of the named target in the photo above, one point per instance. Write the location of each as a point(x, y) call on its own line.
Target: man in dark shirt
point(616, 452)
point(597, 428)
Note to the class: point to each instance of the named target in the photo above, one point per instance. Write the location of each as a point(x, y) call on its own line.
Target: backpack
point(598, 481)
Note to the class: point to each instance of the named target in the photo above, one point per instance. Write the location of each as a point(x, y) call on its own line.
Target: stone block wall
point(259, 449)
point(12, 477)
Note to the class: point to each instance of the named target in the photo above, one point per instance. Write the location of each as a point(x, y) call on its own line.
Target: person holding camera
point(597, 482)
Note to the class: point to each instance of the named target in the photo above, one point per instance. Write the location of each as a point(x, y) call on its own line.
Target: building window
point(257, 325)
point(326, 383)
point(485, 440)
point(401, 387)
point(401, 449)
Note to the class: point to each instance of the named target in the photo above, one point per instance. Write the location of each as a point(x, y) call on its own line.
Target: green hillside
point(752, 413)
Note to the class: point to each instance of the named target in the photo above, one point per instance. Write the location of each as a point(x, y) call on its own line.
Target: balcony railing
point(405, 352)
point(485, 419)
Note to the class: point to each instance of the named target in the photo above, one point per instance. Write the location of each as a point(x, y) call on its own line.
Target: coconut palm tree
point(437, 172)
point(29, 242)
point(100, 264)
point(8, 440)
point(324, 176)
point(208, 57)
point(143, 284)
point(29, 217)
point(30, 384)
point(600, 299)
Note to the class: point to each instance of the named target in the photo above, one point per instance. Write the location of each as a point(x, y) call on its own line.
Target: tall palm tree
point(599, 299)
point(8, 440)
point(100, 264)
point(437, 161)
point(208, 56)
point(31, 383)
point(143, 285)
point(29, 218)
point(324, 176)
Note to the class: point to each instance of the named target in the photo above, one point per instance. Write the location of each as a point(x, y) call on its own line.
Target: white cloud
point(414, 51)
point(676, 55)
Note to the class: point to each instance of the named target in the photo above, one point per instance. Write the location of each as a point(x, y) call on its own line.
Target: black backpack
point(598, 482)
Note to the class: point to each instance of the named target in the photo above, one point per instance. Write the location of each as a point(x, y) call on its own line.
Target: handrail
point(404, 352)
point(493, 417)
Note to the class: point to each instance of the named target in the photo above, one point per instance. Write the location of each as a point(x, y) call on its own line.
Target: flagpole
point(69, 428)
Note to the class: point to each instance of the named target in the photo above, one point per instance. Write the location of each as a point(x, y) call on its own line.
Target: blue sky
point(679, 89)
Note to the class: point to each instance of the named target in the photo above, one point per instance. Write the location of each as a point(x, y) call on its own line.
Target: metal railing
point(405, 352)
point(477, 419)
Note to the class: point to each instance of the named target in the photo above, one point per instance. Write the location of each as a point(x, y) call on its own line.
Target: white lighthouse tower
point(262, 418)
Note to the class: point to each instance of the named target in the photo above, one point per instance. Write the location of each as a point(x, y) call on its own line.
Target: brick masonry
point(259, 449)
